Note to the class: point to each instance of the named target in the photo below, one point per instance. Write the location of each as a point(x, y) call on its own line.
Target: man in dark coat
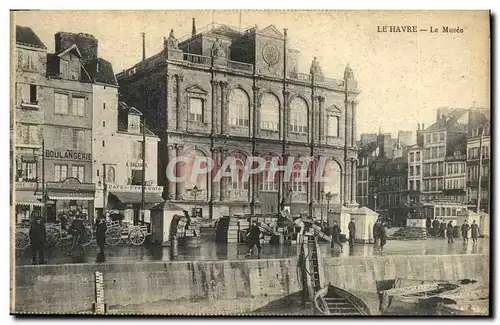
point(376, 233)
point(449, 232)
point(335, 236)
point(474, 232)
point(78, 232)
point(465, 231)
point(101, 227)
point(253, 236)
point(37, 235)
point(352, 232)
point(442, 229)
point(383, 228)
point(435, 227)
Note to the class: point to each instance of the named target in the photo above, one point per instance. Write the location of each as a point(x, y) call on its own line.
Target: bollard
point(99, 306)
point(174, 247)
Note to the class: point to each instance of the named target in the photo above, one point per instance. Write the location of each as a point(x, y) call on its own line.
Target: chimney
point(193, 31)
point(143, 47)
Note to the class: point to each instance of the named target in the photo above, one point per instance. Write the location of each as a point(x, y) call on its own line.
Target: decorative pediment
point(271, 31)
point(195, 89)
point(334, 109)
point(73, 48)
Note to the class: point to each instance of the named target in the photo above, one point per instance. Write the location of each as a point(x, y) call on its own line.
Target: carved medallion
point(270, 54)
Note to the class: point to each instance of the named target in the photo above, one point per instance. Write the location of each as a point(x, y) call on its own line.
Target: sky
point(403, 77)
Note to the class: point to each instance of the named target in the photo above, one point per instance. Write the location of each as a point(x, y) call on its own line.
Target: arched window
point(269, 112)
point(196, 159)
point(299, 179)
point(332, 186)
point(237, 179)
point(266, 184)
point(239, 108)
point(298, 115)
point(111, 175)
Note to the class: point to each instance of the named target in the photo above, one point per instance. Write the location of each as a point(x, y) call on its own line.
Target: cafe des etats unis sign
point(134, 188)
point(68, 154)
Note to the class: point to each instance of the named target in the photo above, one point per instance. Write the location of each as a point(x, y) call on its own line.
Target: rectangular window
point(64, 69)
point(28, 134)
point(417, 185)
point(412, 156)
point(417, 171)
point(434, 137)
point(137, 149)
point(442, 135)
point(427, 153)
point(60, 172)
point(333, 126)
point(434, 153)
point(411, 170)
point(196, 109)
point(28, 172)
point(418, 155)
point(411, 185)
point(61, 104)
point(29, 93)
point(78, 106)
point(78, 172)
point(78, 139)
point(485, 171)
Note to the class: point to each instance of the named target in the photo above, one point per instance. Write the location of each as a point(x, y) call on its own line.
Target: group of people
point(447, 230)
point(380, 229)
point(38, 237)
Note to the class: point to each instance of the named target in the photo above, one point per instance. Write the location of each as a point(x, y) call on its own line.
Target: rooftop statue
point(348, 73)
point(218, 49)
point(315, 67)
point(171, 41)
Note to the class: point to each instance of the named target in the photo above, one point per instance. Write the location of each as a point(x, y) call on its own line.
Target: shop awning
point(27, 198)
point(150, 199)
point(71, 196)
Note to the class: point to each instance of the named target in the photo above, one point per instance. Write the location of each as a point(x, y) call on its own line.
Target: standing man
point(449, 232)
point(352, 232)
point(474, 232)
point(336, 236)
point(253, 236)
point(435, 227)
point(101, 237)
point(442, 229)
point(465, 231)
point(376, 233)
point(37, 235)
point(384, 225)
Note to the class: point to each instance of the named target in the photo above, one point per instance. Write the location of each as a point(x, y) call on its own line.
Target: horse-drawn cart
point(117, 232)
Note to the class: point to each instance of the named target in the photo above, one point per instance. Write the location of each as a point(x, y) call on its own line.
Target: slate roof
point(101, 71)
point(26, 36)
point(368, 148)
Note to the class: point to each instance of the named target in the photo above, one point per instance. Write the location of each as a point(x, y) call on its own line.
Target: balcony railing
point(198, 59)
point(240, 66)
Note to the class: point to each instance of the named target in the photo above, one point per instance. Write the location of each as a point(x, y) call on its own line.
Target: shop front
point(127, 201)
point(69, 197)
point(26, 202)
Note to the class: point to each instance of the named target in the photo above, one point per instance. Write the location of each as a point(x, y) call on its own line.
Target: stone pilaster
point(171, 186)
point(224, 180)
point(322, 119)
point(180, 170)
point(215, 191)
point(178, 102)
point(348, 124)
point(346, 182)
point(224, 113)
point(354, 104)
point(353, 180)
point(215, 108)
point(256, 111)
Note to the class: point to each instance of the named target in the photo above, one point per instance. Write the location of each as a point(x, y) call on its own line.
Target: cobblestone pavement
point(209, 250)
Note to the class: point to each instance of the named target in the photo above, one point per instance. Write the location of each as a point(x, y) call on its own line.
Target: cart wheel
point(22, 240)
point(113, 236)
point(88, 238)
point(53, 237)
point(136, 237)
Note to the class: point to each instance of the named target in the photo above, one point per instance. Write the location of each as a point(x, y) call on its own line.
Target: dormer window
point(133, 124)
point(64, 69)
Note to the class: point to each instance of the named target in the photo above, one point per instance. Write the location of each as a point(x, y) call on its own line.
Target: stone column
point(353, 180)
point(322, 119)
point(347, 193)
point(171, 154)
point(223, 115)
point(216, 157)
point(215, 108)
point(180, 170)
point(354, 103)
point(178, 101)
point(223, 184)
point(256, 111)
point(348, 124)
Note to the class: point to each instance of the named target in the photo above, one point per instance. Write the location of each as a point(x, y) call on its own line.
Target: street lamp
point(322, 206)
